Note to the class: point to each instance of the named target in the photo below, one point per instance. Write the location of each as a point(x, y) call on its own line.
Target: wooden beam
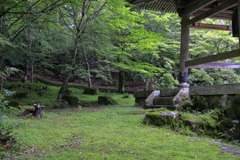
point(217, 65)
point(213, 58)
point(220, 16)
point(223, 6)
point(196, 5)
point(211, 26)
point(224, 11)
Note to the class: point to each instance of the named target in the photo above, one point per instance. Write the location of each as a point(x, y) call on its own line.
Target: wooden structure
point(191, 12)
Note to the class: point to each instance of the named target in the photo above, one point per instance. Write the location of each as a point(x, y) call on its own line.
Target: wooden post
point(183, 77)
point(238, 9)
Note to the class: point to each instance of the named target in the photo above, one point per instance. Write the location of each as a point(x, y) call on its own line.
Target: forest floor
point(108, 133)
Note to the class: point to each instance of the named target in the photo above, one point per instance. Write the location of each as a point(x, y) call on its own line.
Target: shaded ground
point(107, 133)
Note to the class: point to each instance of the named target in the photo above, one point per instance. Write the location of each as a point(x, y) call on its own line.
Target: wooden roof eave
point(194, 8)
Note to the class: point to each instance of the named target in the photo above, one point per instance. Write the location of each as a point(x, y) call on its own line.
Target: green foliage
point(200, 77)
point(167, 82)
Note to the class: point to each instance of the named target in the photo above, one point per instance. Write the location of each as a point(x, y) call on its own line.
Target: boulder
point(106, 100)
point(161, 119)
point(72, 101)
point(91, 91)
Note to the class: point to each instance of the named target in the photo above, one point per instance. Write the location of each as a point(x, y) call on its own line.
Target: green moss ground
point(106, 133)
point(103, 132)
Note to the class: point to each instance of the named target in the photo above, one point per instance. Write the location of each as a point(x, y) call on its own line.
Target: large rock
point(106, 100)
point(91, 91)
point(161, 119)
point(72, 101)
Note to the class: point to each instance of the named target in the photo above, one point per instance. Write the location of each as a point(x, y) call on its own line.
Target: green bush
point(168, 82)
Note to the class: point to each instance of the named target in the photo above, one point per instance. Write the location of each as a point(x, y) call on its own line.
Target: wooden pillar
point(238, 9)
point(183, 77)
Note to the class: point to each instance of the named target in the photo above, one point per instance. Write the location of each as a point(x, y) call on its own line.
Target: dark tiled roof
point(157, 5)
point(173, 6)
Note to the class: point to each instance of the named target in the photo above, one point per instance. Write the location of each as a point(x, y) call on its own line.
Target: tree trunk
point(32, 68)
point(121, 81)
point(69, 74)
point(25, 76)
point(89, 76)
point(147, 84)
point(63, 86)
point(88, 70)
point(110, 78)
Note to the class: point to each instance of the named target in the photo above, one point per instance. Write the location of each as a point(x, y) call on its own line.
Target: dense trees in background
point(97, 41)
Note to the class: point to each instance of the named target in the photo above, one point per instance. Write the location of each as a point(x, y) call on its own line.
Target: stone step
point(169, 92)
point(170, 107)
point(163, 101)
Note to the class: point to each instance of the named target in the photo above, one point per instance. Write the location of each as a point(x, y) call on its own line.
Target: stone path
point(231, 149)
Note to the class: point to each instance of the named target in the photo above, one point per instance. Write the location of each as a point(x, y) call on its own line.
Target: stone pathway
point(225, 148)
point(231, 149)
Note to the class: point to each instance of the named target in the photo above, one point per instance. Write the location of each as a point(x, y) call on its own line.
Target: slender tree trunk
point(25, 76)
point(121, 84)
point(32, 68)
point(89, 76)
point(88, 70)
point(32, 57)
point(69, 74)
point(147, 84)
point(110, 78)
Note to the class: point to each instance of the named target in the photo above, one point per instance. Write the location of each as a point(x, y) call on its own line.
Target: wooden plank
point(223, 6)
point(217, 65)
point(213, 58)
point(211, 26)
point(196, 5)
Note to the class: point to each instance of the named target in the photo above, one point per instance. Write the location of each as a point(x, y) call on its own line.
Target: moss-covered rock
point(162, 118)
point(91, 91)
point(72, 101)
point(106, 100)
point(207, 123)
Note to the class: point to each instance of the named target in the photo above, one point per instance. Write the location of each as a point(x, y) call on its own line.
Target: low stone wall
point(215, 89)
point(225, 97)
point(141, 96)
